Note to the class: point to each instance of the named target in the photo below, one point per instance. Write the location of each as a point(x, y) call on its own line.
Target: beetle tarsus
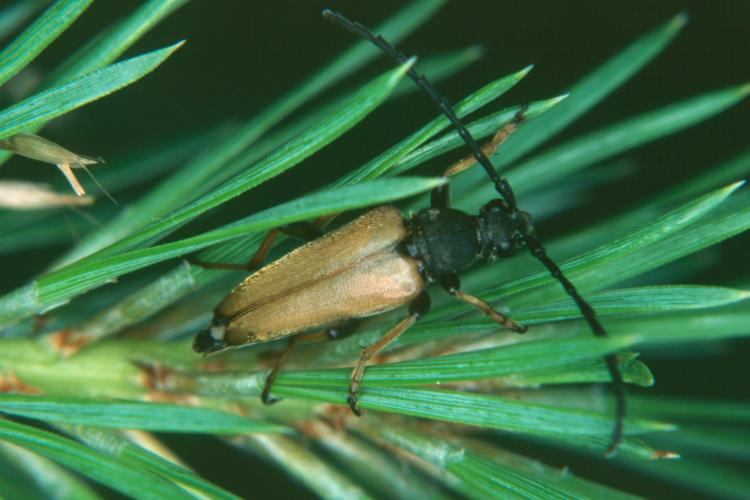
point(353, 401)
point(519, 328)
point(267, 398)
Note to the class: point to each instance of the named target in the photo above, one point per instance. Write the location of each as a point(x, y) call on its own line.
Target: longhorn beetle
point(381, 261)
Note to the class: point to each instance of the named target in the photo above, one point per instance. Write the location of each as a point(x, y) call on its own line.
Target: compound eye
point(518, 239)
point(493, 205)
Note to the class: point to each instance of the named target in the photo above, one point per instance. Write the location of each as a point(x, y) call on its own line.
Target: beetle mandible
point(381, 261)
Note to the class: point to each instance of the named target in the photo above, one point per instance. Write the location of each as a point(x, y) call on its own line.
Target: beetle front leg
point(417, 309)
point(452, 285)
point(491, 146)
point(440, 196)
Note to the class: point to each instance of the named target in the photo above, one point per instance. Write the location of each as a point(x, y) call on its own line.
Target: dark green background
point(242, 55)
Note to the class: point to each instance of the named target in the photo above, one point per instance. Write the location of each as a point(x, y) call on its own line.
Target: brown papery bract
point(40, 149)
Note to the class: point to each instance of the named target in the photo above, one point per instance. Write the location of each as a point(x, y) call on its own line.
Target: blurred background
point(240, 56)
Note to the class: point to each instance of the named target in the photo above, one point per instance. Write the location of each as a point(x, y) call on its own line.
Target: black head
point(210, 340)
point(503, 229)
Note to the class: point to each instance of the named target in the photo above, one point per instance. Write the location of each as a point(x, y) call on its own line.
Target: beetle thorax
point(444, 240)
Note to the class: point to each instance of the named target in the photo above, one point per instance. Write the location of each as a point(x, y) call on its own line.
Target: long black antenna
point(503, 187)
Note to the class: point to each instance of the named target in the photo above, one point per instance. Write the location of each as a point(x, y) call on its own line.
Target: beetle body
point(352, 272)
point(373, 264)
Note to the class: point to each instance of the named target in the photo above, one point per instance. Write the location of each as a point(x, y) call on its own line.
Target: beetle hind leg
point(417, 309)
point(335, 333)
point(265, 396)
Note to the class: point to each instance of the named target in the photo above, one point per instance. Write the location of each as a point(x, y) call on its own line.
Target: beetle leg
point(489, 148)
point(335, 333)
point(440, 196)
point(417, 309)
point(452, 285)
point(344, 329)
point(215, 265)
point(262, 252)
point(266, 394)
point(306, 231)
point(303, 230)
